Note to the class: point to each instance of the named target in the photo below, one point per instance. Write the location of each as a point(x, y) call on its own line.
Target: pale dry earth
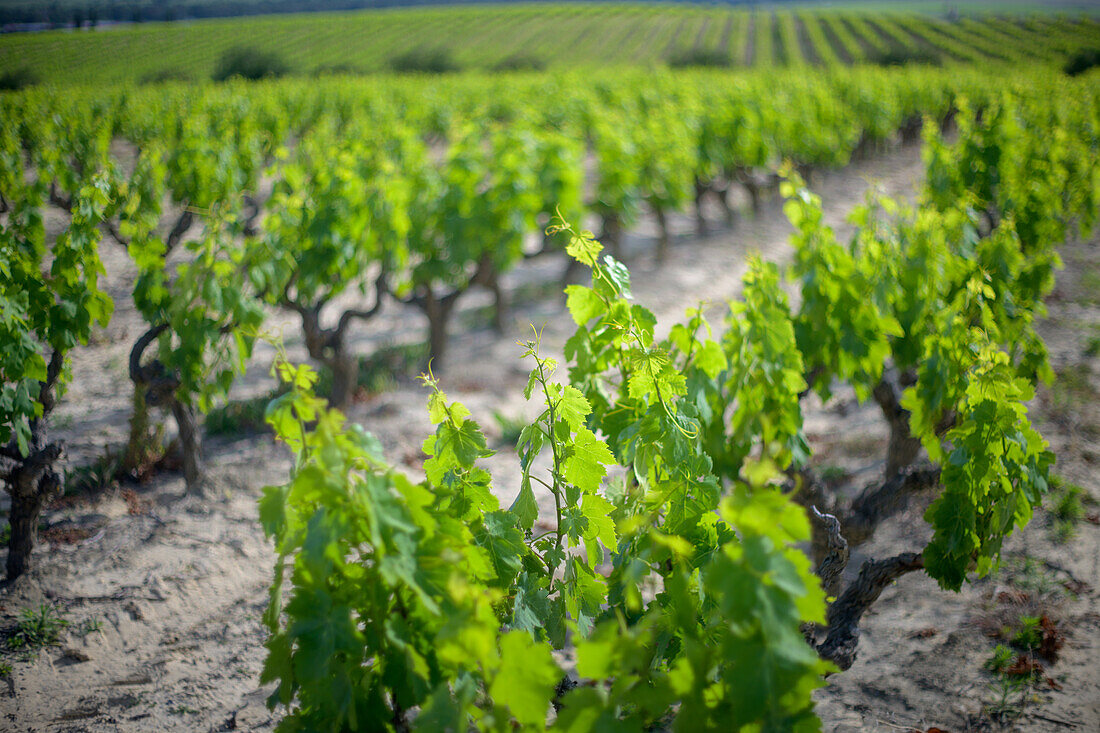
point(177, 586)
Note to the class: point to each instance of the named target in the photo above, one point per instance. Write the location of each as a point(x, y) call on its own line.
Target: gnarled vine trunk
point(194, 470)
point(844, 615)
point(159, 389)
point(489, 278)
point(438, 310)
point(723, 195)
point(612, 234)
point(31, 480)
point(663, 239)
point(903, 448)
point(700, 221)
point(329, 345)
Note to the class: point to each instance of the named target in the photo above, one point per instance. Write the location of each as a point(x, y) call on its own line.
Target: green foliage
point(582, 36)
point(760, 377)
point(905, 57)
point(337, 70)
point(465, 602)
point(700, 57)
point(166, 76)
point(249, 62)
point(671, 563)
point(20, 78)
point(204, 303)
point(424, 61)
point(1082, 61)
point(840, 331)
point(520, 61)
point(948, 295)
point(993, 476)
point(49, 293)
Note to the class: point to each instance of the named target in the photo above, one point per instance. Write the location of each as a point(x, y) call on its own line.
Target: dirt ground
point(164, 594)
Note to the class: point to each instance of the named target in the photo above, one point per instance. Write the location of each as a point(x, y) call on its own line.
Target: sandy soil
point(164, 594)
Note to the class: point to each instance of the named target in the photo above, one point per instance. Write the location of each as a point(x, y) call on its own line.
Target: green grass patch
point(38, 627)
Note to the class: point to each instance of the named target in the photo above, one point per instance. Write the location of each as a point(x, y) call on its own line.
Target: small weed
point(5, 534)
point(1090, 284)
point(183, 710)
point(132, 701)
point(1063, 531)
point(1071, 389)
point(5, 670)
point(1033, 636)
point(1001, 659)
point(89, 626)
point(38, 627)
point(1031, 576)
point(1030, 634)
point(100, 475)
point(62, 422)
point(1009, 697)
point(380, 371)
point(834, 475)
point(1092, 346)
point(510, 427)
point(1075, 379)
point(1066, 506)
point(1014, 678)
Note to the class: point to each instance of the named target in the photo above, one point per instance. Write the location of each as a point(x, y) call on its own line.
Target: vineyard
point(688, 496)
point(550, 36)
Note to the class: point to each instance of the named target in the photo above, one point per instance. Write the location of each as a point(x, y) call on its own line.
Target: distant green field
point(551, 35)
